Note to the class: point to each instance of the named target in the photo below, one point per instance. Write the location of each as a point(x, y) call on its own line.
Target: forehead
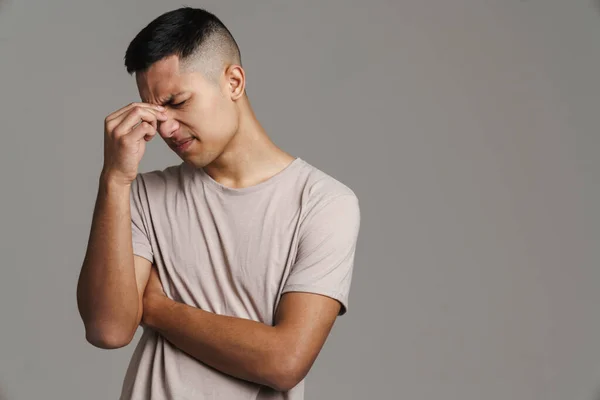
point(163, 79)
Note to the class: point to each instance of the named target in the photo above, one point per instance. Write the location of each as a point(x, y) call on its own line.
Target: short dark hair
point(192, 34)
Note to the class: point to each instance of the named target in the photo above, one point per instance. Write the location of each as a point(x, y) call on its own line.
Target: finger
point(137, 110)
point(149, 136)
point(143, 131)
point(135, 117)
point(127, 108)
point(125, 124)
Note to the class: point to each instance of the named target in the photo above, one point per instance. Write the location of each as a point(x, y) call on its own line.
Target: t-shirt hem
point(322, 291)
point(143, 253)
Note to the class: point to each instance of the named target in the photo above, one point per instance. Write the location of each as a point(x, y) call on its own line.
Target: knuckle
point(137, 110)
point(109, 122)
point(118, 131)
point(110, 126)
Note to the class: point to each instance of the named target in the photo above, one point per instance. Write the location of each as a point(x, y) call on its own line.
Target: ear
point(236, 81)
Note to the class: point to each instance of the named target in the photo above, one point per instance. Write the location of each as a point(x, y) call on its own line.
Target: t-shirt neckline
point(206, 178)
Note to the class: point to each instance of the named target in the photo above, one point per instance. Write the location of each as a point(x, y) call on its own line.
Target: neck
point(251, 157)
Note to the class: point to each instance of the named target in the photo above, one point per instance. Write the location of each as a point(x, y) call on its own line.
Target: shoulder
point(323, 190)
point(322, 185)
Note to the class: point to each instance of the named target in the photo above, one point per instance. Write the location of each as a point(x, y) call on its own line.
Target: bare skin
point(117, 290)
point(109, 291)
point(229, 142)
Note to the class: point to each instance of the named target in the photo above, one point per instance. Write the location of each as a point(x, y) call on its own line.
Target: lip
point(182, 146)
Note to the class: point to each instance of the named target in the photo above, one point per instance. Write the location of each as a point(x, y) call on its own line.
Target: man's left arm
point(314, 294)
point(277, 356)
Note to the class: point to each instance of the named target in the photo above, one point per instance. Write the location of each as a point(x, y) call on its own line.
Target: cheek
point(220, 119)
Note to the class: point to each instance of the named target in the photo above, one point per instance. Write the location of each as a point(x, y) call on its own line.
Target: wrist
point(111, 180)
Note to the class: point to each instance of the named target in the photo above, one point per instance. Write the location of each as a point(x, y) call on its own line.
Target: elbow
point(107, 338)
point(284, 385)
point(108, 333)
point(286, 372)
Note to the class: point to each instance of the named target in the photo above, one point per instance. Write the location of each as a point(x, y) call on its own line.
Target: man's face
point(201, 113)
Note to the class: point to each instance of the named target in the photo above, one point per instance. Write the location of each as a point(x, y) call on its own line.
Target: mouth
point(183, 145)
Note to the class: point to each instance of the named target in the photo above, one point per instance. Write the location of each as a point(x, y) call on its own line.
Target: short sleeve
point(139, 232)
point(326, 250)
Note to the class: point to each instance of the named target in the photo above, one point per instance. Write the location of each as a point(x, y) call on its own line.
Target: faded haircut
point(199, 39)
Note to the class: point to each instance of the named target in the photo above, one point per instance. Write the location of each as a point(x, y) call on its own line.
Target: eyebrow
point(169, 100)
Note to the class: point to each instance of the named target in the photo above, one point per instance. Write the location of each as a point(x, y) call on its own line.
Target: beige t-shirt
point(235, 251)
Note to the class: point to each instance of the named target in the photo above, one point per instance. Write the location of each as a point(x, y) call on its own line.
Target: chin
point(195, 160)
point(191, 162)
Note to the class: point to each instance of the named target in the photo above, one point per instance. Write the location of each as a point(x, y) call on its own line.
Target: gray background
point(467, 128)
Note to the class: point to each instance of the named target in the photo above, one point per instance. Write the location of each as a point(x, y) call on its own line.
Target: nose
point(167, 128)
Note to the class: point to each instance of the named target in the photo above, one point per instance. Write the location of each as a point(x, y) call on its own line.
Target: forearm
point(241, 348)
point(107, 294)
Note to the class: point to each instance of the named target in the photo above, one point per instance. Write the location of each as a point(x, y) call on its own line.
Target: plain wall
point(467, 128)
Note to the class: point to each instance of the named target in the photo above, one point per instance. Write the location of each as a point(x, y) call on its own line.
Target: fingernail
point(161, 108)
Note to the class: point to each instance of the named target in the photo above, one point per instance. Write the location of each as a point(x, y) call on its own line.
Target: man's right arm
point(112, 280)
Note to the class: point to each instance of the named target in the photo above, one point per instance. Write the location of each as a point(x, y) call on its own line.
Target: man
point(237, 261)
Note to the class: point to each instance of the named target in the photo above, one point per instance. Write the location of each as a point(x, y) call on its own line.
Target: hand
point(123, 133)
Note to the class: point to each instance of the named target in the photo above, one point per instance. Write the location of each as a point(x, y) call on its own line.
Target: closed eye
point(178, 104)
